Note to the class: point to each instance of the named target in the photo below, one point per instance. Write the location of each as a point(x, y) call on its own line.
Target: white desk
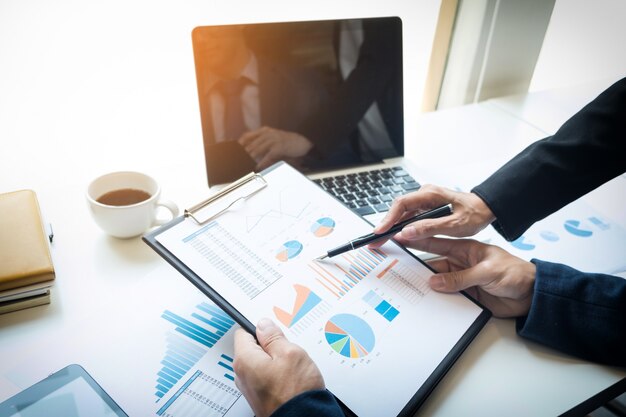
point(499, 374)
point(87, 88)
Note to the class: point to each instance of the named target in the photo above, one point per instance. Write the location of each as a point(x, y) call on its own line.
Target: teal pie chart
point(549, 236)
point(289, 250)
point(349, 335)
point(573, 227)
point(522, 244)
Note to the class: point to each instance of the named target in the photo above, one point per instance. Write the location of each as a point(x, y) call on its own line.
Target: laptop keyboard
point(372, 191)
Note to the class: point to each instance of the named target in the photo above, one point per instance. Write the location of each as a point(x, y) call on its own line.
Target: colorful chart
point(573, 227)
point(226, 362)
point(522, 244)
point(306, 300)
point(549, 236)
point(355, 266)
point(192, 337)
point(289, 250)
point(382, 307)
point(349, 336)
point(598, 222)
point(323, 227)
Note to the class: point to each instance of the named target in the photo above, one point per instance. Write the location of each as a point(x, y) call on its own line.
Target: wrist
point(481, 210)
point(527, 274)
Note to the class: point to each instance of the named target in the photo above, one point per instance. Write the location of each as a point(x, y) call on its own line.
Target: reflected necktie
point(234, 125)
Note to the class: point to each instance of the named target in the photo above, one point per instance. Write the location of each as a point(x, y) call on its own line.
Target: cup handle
point(172, 207)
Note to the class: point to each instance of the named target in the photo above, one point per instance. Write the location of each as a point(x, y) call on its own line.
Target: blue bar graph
point(191, 340)
point(227, 363)
point(180, 391)
point(382, 307)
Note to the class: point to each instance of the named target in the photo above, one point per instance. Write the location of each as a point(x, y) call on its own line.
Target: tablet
point(70, 392)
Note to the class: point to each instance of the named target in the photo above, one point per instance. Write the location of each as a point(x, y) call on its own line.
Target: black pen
point(371, 237)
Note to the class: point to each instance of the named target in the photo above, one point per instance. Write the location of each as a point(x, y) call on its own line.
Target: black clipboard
point(430, 383)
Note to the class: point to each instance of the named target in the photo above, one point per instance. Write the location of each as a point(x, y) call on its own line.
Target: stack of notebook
point(26, 270)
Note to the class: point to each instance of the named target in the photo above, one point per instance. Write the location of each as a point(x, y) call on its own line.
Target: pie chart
point(522, 244)
point(573, 227)
point(289, 250)
point(349, 335)
point(549, 236)
point(323, 227)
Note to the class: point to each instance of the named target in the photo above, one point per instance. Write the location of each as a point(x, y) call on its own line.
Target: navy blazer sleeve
point(315, 403)
point(578, 313)
point(587, 151)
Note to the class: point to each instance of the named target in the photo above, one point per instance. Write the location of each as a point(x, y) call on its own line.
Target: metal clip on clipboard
point(214, 206)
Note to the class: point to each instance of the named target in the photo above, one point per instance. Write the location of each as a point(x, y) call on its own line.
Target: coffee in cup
point(125, 204)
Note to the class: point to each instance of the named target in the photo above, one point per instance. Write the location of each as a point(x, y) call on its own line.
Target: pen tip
point(321, 258)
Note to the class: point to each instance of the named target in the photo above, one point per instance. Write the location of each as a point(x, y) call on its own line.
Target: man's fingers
point(245, 343)
point(457, 280)
point(439, 264)
point(248, 354)
point(424, 229)
point(267, 161)
point(270, 337)
point(249, 137)
point(451, 248)
point(396, 211)
point(427, 197)
point(260, 145)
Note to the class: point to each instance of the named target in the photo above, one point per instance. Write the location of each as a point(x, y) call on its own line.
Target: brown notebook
point(24, 247)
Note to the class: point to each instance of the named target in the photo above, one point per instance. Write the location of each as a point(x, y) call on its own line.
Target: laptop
point(325, 96)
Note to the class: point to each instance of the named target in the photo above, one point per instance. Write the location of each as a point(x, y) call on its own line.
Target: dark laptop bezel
point(213, 151)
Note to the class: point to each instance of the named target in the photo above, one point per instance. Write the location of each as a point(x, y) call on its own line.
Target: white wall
point(80, 80)
point(585, 42)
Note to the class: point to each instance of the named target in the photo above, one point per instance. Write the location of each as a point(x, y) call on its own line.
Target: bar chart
point(350, 269)
point(189, 342)
point(381, 306)
point(226, 362)
point(405, 281)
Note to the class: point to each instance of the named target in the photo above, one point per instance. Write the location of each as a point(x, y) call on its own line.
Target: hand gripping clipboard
point(254, 191)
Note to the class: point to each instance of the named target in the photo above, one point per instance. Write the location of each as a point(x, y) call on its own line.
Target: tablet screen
point(72, 400)
point(70, 392)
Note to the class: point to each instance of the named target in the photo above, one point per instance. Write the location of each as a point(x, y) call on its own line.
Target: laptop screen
point(320, 95)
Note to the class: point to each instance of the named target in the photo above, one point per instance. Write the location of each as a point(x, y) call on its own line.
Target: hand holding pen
point(471, 214)
point(372, 237)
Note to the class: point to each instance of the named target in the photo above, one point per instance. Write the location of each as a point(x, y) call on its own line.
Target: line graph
point(287, 208)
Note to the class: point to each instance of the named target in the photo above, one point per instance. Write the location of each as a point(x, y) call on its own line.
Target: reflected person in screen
point(362, 120)
point(240, 91)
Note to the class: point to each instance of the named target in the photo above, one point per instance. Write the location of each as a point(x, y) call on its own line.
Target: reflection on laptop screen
point(320, 95)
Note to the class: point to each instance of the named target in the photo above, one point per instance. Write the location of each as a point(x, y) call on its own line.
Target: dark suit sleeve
point(578, 313)
point(587, 151)
point(310, 404)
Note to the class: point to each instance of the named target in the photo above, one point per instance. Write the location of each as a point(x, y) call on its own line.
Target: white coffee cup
point(125, 221)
